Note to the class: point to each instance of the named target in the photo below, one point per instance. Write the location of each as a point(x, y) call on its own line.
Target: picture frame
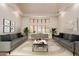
point(6, 26)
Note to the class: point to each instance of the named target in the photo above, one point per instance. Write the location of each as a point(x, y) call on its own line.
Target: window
point(36, 28)
point(39, 29)
point(43, 29)
point(37, 20)
point(39, 25)
point(41, 20)
point(45, 20)
point(33, 20)
point(8, 26)
point(12, 27)
point(31, 28)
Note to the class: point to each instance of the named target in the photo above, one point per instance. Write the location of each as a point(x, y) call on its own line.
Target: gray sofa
point(11, 41)
point(77, 48)
point(67, 41)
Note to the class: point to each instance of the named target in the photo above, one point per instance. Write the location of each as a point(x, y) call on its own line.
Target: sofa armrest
point(5, 46)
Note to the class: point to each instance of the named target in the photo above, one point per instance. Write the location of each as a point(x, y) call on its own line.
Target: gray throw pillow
point(66, 36)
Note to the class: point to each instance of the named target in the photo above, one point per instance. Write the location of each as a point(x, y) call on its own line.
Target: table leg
point(32, 48)
point(47, 48)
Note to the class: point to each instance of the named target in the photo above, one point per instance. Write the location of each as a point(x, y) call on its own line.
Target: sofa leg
point(9, 52)
point(74, 48)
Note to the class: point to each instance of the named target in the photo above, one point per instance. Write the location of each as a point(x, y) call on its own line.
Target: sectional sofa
point(67, 41)
point(10, 41)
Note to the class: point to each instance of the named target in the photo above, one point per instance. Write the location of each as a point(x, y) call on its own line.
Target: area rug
point(54, 49)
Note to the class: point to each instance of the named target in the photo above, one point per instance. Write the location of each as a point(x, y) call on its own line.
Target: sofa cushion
point(74, 38)
point(5, 38)
point(19, 35)
point(56, 35)
point(12, 36)
point(15, 36)
point(61, 35)
point(15, 41)
point(66, 42)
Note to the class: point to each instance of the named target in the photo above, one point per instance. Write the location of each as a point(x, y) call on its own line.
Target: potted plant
point(53, 32)
point(26, 31)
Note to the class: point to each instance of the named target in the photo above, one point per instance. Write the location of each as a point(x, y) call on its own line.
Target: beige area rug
point(54, 49)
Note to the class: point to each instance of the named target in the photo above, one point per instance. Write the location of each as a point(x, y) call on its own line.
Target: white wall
point(7, 13)
point(69, 19)
point(25, 23)
point(53, 24)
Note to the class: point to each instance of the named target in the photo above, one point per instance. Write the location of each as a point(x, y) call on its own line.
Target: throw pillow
point(66, 36)
point(61, 35)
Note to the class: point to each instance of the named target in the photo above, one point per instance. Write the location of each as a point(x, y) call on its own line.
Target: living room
point(38, 20)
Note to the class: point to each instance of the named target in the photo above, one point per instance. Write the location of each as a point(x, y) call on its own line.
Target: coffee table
point(44, 46)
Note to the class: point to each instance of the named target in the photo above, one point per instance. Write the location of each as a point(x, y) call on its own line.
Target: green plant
point(53, 32)
point(26, 30)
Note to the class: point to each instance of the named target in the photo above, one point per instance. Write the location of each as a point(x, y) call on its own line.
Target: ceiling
point(42, 9)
